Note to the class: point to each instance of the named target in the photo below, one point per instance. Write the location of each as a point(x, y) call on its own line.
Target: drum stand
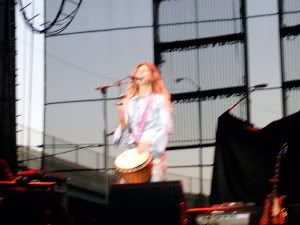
point(103, 90)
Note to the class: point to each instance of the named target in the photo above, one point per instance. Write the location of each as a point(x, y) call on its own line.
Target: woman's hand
point(143, 147)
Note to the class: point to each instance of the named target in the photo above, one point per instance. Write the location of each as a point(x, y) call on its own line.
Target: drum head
point(131, 158)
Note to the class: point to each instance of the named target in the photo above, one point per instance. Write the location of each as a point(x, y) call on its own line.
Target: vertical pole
point(157, 53)
point(284, 108)
point(200, 142)
point(43, 157)
point(106, 188)
point(199, 102)
point(246, 81)
point(53, 146)
point(45, 99)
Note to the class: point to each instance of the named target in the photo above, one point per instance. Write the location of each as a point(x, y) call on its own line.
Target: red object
point(213, 208)
point(29, 172)
point(32, 183)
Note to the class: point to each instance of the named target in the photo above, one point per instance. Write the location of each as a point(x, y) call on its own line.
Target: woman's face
point(143, 75)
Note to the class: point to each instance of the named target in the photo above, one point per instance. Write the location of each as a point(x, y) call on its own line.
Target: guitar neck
point(274, 213)
point(276, 177)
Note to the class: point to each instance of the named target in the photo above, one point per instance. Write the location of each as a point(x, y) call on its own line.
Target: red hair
point(157, 82)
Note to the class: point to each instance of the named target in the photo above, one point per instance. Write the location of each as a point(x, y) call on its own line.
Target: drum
point(134, 167)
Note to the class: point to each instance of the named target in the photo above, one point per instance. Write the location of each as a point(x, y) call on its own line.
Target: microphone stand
point(254, 88)
point(241, 99)
point(103, 90)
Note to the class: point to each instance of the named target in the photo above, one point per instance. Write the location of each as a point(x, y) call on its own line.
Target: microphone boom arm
point(255, 87)
point(116, 83)
point(245, 96)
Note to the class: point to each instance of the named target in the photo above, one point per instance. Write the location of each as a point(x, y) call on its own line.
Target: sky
point(30, 77)
point(263, 64)
point(263, 53)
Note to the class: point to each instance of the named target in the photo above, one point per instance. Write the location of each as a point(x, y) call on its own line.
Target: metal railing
point(88, 159)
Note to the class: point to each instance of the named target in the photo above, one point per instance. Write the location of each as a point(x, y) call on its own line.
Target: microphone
point(263, 85)
point(136, 78)
point(177, 80)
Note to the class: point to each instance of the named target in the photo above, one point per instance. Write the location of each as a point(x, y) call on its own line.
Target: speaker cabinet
point(34, 207)
point(159, 203)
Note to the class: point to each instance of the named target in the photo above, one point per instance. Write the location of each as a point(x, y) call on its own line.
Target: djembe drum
point(134, 167)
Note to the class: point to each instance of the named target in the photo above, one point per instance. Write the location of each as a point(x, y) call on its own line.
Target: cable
point(48, 27)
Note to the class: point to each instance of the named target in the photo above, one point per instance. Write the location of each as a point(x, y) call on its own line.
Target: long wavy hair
point(156, 82)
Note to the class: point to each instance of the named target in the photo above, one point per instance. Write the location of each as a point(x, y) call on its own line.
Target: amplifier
point(242, 218)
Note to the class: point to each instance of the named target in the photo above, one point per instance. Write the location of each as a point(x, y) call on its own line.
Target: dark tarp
point(245, 159)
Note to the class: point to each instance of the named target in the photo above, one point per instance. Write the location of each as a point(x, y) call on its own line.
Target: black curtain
point(245, 159)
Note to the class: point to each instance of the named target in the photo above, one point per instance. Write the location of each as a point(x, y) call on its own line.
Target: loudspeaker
point(157, 203)
point(34, 207)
